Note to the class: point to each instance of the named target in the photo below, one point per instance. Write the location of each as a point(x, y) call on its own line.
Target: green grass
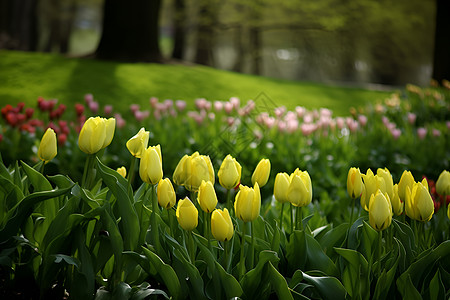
point(25, 76)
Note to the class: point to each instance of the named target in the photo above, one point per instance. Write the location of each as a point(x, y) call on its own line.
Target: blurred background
point(348, 42)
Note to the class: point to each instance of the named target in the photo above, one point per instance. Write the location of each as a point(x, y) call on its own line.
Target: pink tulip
point(180, 105)
point(235, 102)
point(412, 118)
point(421, 132)
point(436, 132)
point(362, 119)
point(300, 110)
point(108, 109)
point(218, 106)
point(228, 106)
point(396, 133)
point(153, 101)
point(88, 98)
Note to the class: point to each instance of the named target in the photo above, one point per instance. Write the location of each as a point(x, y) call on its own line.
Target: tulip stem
point(351, 214)
point(228, 201)
point(87, 174)
point(252, 251)
point(281, 217)
point(299, 217)
point(42, 167)
point(292, 218)
point(190, 246)
point(379, 253)
point(242, 258)
point(207, 218)
point(131, 171)
point(154, 221)
point(226, 250)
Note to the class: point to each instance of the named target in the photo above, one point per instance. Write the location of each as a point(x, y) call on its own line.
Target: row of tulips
point(103, 239)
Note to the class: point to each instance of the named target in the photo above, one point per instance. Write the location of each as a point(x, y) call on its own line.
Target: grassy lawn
point(25, 76)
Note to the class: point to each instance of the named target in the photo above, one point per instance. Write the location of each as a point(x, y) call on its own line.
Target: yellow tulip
point(96, 134)
point(229, 173)
point(207, 196)
point(261, 173)
point(407, 180)
point(281, 187)
point(371, 185)
point(380, 212)
point(299, 192)
point(247, 203)
point(166, 194)
point(48, 146)
point(354, 183)
point(397, 204)
point(150, 168)
point(187, 214)
point(138, 143)
point(191, 170)
point(388, 182)
point(221, 225)
point(122, 171)
point(419, 204)
point(443, 183)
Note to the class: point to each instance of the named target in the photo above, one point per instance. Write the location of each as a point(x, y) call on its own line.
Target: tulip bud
point(229, 173)
point(419, 204)
point(443, 183)
point(96, 134)
point(221, 225)
point(407, 180)
point(138, 143)
point(48, 146)
point(300, 189)
point(187, 214)
point(122, 171)
point(380, 212)
point(371, 185)
point(261, 173)
point(247, 203)
point(397, 204)
point(354, 183)
point(207, 196)
point(191, 170)
point(166, 193)
point(281, 187)
point(388, 182)
point(150, 168)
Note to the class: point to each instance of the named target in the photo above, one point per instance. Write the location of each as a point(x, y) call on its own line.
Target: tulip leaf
point(296, 245)
point(437, 288)
point(83, 277)
point(418, 270)
point(357, 272)
point(230, 285)
point(61, 181)
point(278, 283)
point(166, 272)
point(317, 259)
point(130, 221)
point(368, 239)
point(353, 239)
point(327, 287)
point(10, 195)
point(333, 238)
point(22, 210)
point(407, 288)
point(192, 278)
point(39, 182)
point(143, 290)
point(405, 235)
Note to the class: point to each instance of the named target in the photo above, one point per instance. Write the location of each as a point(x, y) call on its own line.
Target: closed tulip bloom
point(187, 214)
point(300, 189)
point(221, 225)
point(229, 173)
point(122, 171)
point(380, 212)
point(166, 194)
point(247, 203)
point(388, 181)
point(48, 146)
point(371, 184)
point(443, 183)
point(261, 173)
point(354, 183)
point(138, 143)
point(179, 175)
point(207, 196)
point(397, 204)
point(419, 204)
point(281, 187)
point(96, 134)
point(407, 180)
point(150, 168)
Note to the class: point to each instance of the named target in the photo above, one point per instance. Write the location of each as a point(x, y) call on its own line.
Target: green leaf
point(194, 279)
point(166, 272)
point(61, 181)
point(11, 196)
point(327, 287)
point(278, 283)
point(333, 238)
point(437, 288)
point(384, 282)
point(39, 182)
point(23, 210)
point(143, 290)
point(118, 185)
point(122, 290)
point(296, 245)
point(407, 289)
point(353, 239)
point(405, 235)
point(230, 285)
point(317, 259)
point(356, 275)
point(368, 241)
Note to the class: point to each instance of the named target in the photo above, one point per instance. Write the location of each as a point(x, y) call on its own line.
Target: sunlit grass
point(25, 76)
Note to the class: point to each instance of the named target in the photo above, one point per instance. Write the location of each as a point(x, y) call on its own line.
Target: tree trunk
point(238, 45)
point(179, 32)
point(441, 62)
point(205, 35)
point(255, 46)
point(130, 31)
